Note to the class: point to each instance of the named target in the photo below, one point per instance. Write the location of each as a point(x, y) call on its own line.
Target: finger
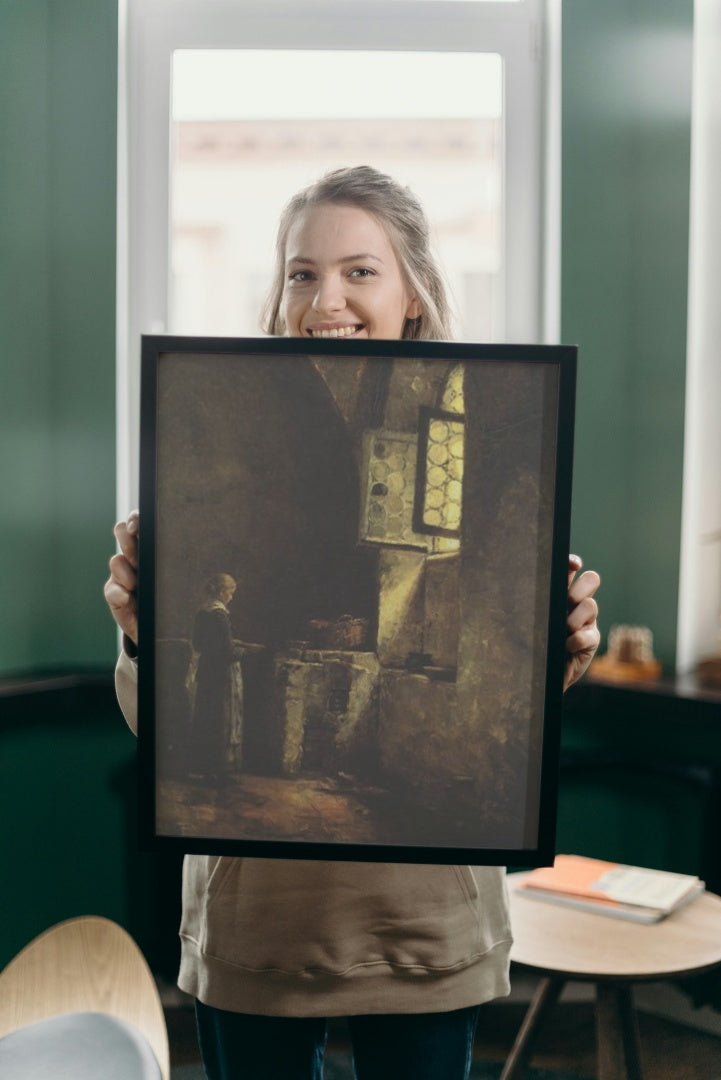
point(118, 598)
point(585, 585)
point(123, 608)
point(584, 613)
point(122, 572)
point(575, 562)
point(126, 534)
point(583, 641)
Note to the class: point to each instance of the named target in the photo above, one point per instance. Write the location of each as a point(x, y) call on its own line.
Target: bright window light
point(434, 121)
point(223, 84)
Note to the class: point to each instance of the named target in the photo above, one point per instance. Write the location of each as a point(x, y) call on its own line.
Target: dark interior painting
point(352, 579)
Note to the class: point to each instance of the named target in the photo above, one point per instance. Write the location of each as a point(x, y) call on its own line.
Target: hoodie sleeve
point(126, 688)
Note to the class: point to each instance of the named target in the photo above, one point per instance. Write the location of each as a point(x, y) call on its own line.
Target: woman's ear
point(415, 309)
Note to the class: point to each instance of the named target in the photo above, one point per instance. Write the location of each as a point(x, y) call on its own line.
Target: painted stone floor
point(269, 808)
point(319, 809)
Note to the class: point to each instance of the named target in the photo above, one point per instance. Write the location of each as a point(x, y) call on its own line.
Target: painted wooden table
point(562, 944)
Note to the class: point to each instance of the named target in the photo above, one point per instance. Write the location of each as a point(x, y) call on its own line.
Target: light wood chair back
point(87, 964)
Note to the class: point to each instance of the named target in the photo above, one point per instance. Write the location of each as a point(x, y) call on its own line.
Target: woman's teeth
point(336, 332)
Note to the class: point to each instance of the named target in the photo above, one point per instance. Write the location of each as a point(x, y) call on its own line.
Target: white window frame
point(699, 597)
point(526, 34)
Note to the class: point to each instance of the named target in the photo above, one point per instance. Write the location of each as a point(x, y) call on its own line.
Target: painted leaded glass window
point(389, 469)
point(439, 492)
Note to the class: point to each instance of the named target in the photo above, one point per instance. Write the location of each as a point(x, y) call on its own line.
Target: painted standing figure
point(217, 683)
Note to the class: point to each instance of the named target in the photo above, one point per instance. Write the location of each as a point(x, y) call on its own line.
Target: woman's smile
point(335, 331)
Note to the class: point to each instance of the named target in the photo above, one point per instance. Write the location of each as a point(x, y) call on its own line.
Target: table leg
point(545, 997)
point(617, 1033)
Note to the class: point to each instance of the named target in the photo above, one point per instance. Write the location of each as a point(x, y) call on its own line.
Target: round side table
point(563, 944)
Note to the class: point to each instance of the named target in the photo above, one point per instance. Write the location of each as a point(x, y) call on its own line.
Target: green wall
point(626, 145)
point(67, 761)
point(58, 72)
point(68, 798)
point(626, 133)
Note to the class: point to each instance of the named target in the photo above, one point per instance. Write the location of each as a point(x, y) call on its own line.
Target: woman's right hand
point(121, 587)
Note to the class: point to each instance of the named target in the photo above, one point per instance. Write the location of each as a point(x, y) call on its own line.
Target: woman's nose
point(329, 296)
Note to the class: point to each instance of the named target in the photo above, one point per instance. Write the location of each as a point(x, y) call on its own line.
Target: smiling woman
point(353, 259)
point(295, 940)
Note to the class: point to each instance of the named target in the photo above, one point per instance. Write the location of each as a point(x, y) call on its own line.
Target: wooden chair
point(80, 975)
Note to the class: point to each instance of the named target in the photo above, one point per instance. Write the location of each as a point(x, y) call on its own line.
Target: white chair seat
point(78, 1046)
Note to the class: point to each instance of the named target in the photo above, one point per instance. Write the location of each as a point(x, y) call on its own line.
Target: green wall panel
point(25, 391)
point(68, 792)
point(58, 75)
point(626, 145)
point(61, 788)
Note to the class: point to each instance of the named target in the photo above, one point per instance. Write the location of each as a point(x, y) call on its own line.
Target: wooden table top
point(560, 940)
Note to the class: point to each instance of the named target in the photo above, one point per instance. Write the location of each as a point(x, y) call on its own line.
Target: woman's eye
point(300, 276)
point(362, 272)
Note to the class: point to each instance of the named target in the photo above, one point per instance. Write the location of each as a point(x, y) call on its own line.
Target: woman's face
point(342, 277)
point(227, 594)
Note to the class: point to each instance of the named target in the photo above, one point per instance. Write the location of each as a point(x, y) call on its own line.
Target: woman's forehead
point(326, 230)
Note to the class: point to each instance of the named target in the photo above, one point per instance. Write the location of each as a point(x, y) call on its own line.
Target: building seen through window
point(231, 175)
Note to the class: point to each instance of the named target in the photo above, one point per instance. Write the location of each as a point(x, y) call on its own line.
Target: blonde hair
point(403, 217)
point(217, 584)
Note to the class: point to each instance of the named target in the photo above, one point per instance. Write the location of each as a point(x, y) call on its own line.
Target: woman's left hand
point(583, 636)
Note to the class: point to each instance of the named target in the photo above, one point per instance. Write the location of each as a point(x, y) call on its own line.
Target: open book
point(608, 888)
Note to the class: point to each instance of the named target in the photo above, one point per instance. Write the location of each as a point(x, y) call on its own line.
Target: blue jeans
point(416, 1046)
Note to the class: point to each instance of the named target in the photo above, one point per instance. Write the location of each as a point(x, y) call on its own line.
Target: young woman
point(271, 948)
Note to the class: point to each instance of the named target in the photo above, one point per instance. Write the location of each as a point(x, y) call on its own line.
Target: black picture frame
point(368, 692)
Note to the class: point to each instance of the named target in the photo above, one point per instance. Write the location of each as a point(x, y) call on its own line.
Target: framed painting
point(352, 597)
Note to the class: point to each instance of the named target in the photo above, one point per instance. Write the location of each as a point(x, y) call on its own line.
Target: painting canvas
point(352, 597)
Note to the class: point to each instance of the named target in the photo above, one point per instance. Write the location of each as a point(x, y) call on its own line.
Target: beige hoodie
point(284, 937)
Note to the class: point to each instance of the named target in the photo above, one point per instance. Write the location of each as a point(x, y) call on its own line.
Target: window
point(478, 162)
point(389, 472)
point(439, 494)
point(699, 624)
point(235, 162)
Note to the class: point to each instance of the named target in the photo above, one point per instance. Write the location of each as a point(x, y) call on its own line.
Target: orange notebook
point(633, 892)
